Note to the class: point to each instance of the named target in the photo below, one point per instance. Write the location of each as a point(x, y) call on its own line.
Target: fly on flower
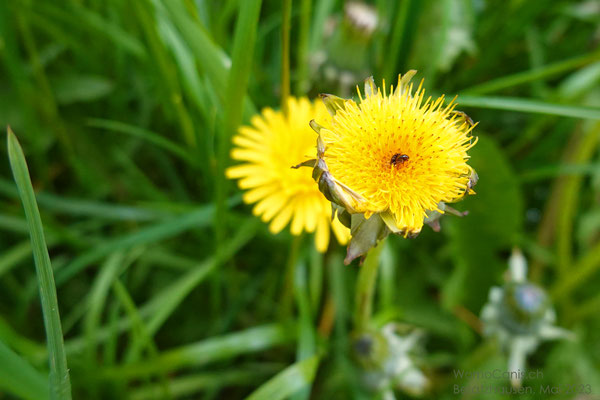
point(391, 162)
point(268, 149)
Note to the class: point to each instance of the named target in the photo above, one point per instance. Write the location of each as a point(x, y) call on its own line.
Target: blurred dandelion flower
point(395, 155)
point(268, 149)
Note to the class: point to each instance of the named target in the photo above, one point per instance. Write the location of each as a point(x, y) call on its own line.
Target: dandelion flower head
point(268, 149)
point(405, 156)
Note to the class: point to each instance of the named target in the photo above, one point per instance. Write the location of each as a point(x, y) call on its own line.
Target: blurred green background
point(169, 288)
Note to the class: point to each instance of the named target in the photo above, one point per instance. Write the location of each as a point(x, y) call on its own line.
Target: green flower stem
point(286, 15)
point(365, 288)
point(290, 273)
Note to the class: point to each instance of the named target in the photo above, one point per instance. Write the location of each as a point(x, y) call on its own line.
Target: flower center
point(398, 159)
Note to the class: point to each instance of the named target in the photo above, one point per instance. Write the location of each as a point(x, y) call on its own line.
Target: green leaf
point(494, 221)
point(60, 383)
point(289, 381)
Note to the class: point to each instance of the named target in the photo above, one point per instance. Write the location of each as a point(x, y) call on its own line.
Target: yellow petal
point(254, 195)
point(342, 234)
point(322, 235)
point(247, 155)
point(242, 170)
point(281, 219)
point(299, 219)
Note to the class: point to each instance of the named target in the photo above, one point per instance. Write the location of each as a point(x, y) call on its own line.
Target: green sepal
point(343, 216)
point(333, 103)
point(308, 163)
point(404, 82)
point(366, 233)
point(370, 88)
point(390, 221)
point(315, 126)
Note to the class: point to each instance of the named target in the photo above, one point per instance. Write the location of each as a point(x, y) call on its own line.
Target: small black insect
point(398, 158)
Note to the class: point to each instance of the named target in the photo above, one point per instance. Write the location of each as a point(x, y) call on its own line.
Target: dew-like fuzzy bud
point(523, 307)
point(388, 359)
point(520, 316)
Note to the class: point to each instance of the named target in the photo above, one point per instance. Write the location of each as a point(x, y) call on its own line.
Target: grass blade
point(146, 135)
point(157, 232)
point(237, 85)
point(530, 106)
point(289, 381)
point(18, 377)
point(210, 350)
point(532, 75)
point(60, 383)
point(86, 208)
point(286, 16)
point(192, 384)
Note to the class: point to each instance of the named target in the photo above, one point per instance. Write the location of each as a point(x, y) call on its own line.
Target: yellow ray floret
point(404, 154)
point(268, 149)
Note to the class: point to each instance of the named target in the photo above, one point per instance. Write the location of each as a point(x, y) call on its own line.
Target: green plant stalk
point(302, 81)
point(587, 308)
point(141, 329)
point(286, 16)
point(306, 328)
point(323, 9)
point(398, 42)
point(570, 198)
point(578, 274)
point(365, 288)
point(60, 383)
point(290, 271)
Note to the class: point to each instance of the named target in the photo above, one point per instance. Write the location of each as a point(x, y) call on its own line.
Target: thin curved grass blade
point(60, 383)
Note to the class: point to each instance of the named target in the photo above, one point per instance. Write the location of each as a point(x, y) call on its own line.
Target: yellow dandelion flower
point(268, 149)
point(396, 155)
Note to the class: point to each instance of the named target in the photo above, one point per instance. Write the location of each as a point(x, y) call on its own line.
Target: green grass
point(131, 264)
point(60, 382)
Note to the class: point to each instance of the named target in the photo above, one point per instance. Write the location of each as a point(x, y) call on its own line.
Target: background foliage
point(168, 287)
